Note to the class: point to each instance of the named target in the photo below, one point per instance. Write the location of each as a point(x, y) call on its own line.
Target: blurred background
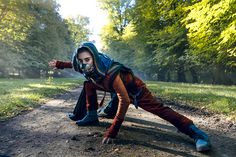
point(162, 40)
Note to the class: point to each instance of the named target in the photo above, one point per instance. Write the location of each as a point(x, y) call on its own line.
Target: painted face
point(85, 61)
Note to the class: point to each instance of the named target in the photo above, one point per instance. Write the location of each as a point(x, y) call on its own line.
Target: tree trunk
point(168, 76)
point(181, 74)
point(220, 76)
point(194, 75)
point(161, 75)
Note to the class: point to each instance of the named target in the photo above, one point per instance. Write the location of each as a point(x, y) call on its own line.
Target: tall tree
point(172, 40)
point(15, 23)
point(212, 35)
point(77, 29)
point(158, 25)
point(15, 20)
point(40, 35)
point(116, 35)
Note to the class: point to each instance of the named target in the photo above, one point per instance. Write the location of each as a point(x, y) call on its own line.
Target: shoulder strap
point(114, 70)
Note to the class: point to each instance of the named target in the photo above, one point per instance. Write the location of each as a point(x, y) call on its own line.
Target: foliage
point(117, 35)
point(32, 33)
point(173, 40)
point(15, 20)
point(77, 30)
point(211, 30)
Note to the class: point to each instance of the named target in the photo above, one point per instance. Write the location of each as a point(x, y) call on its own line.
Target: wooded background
point(163, 40)
point(32, 33)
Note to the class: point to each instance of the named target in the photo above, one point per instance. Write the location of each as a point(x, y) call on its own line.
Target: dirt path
point(46, 131)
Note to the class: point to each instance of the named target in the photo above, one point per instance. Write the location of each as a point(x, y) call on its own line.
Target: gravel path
point(46, 131)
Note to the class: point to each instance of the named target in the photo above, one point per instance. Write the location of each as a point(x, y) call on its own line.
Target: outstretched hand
point(107, 140)
point(52, 63)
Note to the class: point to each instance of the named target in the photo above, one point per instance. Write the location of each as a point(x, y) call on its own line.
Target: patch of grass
point(17, 95)
point(216, 98)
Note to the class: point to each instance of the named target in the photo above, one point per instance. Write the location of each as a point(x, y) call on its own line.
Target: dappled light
point(19, 95)
point(221, 99)
point(117, 78)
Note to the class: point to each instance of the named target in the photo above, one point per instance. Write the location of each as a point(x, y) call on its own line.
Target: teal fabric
point(202, 145)
point(90, 119)
point(101, 61)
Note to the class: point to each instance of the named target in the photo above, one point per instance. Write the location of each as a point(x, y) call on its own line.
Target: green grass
point(17, 95)
point(216, 98)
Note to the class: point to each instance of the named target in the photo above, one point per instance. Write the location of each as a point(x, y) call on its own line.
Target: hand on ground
point(107, 140)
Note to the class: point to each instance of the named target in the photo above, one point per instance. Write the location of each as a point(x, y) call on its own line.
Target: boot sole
point(88, 124)
point(203, 149)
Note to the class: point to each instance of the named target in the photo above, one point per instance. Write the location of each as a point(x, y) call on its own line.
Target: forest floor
point(46, 131)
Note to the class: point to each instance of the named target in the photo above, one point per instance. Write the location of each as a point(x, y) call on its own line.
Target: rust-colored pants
point(91, 95)
point(147, 102)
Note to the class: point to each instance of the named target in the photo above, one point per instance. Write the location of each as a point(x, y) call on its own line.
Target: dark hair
point(83, 49)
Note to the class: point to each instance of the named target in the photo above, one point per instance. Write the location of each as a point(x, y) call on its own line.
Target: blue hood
point(101, 61)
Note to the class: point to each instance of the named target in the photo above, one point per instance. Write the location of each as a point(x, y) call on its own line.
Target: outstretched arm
point(56, 64)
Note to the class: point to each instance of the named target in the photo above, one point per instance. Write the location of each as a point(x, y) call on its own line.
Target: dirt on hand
point(46, 131)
